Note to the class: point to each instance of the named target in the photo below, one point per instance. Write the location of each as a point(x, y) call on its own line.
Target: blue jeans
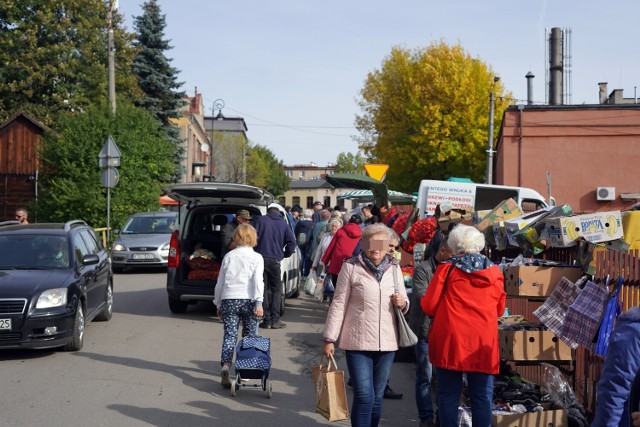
point(450, 389)
point(423, 381)
point(369, 372)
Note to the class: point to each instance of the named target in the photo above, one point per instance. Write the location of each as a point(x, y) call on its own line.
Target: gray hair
point(379, 228)
point(325, 215)
point(307, 213)
point(336, 221)
point(465, 239)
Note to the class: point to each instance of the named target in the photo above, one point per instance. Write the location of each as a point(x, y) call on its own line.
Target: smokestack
point(529, 77)
point(555, 67)
point(602, 92)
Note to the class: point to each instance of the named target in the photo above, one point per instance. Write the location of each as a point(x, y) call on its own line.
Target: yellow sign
point(378, 172)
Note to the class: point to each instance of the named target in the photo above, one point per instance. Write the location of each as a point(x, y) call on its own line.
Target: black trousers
point(272, 302)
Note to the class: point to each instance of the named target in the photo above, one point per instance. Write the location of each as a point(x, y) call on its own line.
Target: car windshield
point(30, 251)
point(149, 225)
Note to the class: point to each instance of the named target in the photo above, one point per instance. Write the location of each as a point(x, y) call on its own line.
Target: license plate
point(5, 324)
point(143, 256)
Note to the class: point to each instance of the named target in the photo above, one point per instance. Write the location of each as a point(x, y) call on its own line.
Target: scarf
point(379, 270)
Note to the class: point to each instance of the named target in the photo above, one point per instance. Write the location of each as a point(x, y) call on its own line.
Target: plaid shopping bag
point(554, 309)
point(584, 315)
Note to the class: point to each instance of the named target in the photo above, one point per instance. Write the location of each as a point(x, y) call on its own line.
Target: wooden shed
point(20, 138)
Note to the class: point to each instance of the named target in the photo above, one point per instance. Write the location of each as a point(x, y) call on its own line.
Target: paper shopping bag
point(330, 391)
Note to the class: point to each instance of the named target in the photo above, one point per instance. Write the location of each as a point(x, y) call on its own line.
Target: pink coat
point(361, 316)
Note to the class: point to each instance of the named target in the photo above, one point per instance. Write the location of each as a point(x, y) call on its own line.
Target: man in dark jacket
point(435, 253)
point(275, 242)
point(620, 367)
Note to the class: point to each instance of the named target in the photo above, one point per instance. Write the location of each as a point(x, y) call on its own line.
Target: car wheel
point(107, 311)
point(177, 306)
point(296, 291)
point(78, 331)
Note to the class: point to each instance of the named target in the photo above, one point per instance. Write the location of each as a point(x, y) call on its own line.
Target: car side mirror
point(90, 259)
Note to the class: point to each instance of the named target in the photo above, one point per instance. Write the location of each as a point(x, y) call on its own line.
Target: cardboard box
point(517, 224)
point(588, 250)
point(500, 236)
point(529, 238)
point(507, 209)
point(478, 216)
point(555, 418)
point(536, 281)
point(532, 345)
point(596, 227)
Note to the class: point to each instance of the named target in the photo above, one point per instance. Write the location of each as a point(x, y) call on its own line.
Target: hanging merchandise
point(584, 314)
point(609, 319)
point(554, 310)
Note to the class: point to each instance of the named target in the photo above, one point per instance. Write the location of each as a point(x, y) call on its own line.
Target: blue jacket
point(275, 237)
point(620, 368)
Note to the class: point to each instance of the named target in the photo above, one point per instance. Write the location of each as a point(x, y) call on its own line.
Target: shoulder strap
point(444, 290)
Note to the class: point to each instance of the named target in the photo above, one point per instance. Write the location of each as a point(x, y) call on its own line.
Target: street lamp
point(219, 105)
point(490, 151)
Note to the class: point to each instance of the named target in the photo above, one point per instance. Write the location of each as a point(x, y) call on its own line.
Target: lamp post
point(490, 139)
point(219, 105)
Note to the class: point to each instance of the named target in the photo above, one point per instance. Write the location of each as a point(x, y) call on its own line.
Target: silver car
point(143, 241)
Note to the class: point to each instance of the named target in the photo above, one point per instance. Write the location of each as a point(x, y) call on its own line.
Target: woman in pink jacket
point(363, 320)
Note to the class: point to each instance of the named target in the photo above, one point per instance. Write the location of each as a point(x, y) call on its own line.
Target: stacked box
point(536, 281)
point(532, 345)
point(588, 250)
point(500, 236)
point(507, 209)
point(478, 216)
point(555, 418)
point(516, 224)
point(597, 227)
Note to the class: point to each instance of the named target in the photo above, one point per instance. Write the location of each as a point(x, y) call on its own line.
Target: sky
point(293, 69)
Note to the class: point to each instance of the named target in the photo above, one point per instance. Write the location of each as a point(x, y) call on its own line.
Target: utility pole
point(490, 139)
point(113, 5)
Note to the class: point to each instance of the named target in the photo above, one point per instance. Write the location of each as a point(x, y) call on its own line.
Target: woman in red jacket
point(341, 247)
point(465, 298)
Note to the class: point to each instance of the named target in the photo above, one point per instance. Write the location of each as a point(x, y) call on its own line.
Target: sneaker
point(224, 375)
point(390, 394)
point(265, 325)
point(279, 325)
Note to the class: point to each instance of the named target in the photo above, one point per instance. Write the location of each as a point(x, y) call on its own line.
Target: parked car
point(143, 241)
point(54, 279)
point(205, 208)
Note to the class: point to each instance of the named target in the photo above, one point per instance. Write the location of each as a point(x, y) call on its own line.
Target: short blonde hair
point(465, 239)
point(245, 235)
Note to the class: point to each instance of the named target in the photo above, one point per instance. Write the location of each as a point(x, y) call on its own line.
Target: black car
point(54, 278)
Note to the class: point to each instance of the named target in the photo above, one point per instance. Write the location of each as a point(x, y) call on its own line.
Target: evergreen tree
point(54, 57)
point(157, 78)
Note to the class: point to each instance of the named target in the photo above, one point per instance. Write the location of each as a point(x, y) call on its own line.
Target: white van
point(480, 196)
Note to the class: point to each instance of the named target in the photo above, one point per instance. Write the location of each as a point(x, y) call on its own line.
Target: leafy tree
point(425, 112)
point(350, 163)
point(266, 171)
point(228, 149)
point(54, 56)
point(71, 183)
point(158, 79)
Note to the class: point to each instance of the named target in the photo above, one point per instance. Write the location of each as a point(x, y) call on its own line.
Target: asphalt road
point(150, 367)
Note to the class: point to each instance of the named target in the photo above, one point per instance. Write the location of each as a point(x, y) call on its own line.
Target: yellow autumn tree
point(425, 112)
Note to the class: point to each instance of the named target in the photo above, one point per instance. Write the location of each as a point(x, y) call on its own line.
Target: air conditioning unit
point(605, 193)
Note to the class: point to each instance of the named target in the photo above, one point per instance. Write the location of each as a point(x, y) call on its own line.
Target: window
point(80, 248)
point(301, 174)
point(289, 173)
point(309, 202)
point(295, 200)
point(282, 201)
point(90, 242)
point(327, 201)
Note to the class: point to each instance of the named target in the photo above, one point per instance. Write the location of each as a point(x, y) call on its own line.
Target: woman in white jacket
point(362, 319)
point(239, 293)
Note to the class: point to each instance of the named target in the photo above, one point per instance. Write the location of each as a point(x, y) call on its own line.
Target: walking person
point(362, 319)
point(275, 242)
point(465, 298)
point(239, 294)
point(342, 246)
point(621, 366)
point(303, 233)
point(437, 251)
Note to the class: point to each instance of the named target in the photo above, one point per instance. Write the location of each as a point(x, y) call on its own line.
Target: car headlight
point(164, 247)
point(119, 247)
point(52, 298)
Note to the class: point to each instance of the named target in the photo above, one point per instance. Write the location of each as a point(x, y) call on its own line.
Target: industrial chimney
point(529, 77)
point(555, 67)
